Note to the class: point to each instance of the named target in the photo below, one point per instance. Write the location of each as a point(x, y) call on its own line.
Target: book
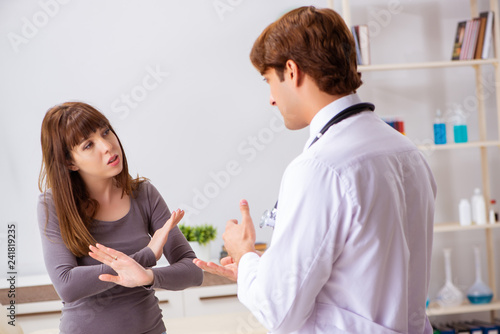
point(480, 38)
point(473, 38)
point(459, 39)
point(467, 36)
point(356, 43)
point(488, 34)
point(360, 34)
point(488, 328)
point(364, 44)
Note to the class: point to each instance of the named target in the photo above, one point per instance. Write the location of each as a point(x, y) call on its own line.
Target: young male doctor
point(351, 247)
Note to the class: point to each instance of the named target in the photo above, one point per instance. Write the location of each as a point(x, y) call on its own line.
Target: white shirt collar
point(327, 113)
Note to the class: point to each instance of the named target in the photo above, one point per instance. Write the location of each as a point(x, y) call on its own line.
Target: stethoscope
point(269, 216)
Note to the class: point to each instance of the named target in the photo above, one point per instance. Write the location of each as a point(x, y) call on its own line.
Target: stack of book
point(360, 34)
point(396, 123)
point(474, 38)
point(466, 327)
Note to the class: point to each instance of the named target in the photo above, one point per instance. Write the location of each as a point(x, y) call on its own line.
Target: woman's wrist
point(151, 278)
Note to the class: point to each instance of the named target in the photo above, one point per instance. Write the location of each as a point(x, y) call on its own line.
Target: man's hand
point(130, 273)
point(239, 239)
point(160, 237)
point(227, 269)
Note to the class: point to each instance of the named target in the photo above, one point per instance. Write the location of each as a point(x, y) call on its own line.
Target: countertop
point(46, 292)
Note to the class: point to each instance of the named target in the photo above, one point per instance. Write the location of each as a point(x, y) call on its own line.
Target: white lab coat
point(351, 248)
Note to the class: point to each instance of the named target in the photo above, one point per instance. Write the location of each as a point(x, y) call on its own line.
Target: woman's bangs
point(81, 124)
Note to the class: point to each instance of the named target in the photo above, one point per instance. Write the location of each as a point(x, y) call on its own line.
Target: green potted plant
point(199, 237)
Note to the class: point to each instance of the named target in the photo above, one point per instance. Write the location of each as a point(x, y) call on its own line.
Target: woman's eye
point(106, 132)
point(87, 146)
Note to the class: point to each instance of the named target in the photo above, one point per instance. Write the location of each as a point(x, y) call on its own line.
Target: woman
point(89, 198)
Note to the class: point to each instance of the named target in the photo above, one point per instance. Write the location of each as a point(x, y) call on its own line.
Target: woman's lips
point(114, 160)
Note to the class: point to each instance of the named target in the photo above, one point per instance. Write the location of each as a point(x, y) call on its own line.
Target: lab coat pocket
point(332, 319)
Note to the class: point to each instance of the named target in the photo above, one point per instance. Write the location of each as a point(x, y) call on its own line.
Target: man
point(351, 248)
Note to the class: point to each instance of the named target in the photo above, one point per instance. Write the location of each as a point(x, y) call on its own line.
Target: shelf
point(435, 309)
point(451, 146)
point(434, 64)
point(479, 69)
point(451, 227)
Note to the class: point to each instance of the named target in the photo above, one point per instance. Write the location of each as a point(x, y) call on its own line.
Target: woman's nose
point(105, 145)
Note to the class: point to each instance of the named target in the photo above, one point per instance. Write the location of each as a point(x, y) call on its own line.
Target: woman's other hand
point(161, 235)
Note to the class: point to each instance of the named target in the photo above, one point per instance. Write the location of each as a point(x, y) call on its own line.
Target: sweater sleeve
point(71, 280)
point(182, 272)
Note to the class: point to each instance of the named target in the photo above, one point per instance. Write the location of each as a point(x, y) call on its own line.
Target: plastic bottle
point(493, 213)
point(460, 126)
point(464, 212)
point(478, 207)
point(439, 129)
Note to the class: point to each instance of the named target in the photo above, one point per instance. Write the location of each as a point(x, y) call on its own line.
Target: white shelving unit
point(482, 145)
point(454, 227)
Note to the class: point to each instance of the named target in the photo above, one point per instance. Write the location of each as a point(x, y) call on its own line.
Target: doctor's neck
point(317, 100)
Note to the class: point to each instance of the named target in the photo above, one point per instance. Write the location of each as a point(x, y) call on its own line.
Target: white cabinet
point(46, 323)
point(212, 300)
point(171, 303)
point(193, 302)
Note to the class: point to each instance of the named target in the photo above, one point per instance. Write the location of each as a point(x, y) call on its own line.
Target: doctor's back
point(382, 231)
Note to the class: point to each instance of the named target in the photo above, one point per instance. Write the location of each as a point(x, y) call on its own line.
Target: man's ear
point(293, 72)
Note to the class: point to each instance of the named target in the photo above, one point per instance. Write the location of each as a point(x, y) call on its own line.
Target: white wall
point(206, 106)
point(209, 107)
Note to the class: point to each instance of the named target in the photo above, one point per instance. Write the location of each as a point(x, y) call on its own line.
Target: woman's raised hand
point(130, 273)
point(161, 235)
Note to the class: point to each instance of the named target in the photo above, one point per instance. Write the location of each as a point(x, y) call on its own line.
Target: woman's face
point(97, 157)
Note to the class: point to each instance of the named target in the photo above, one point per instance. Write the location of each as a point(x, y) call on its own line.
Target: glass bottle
point(479, 293)
point(449, 295)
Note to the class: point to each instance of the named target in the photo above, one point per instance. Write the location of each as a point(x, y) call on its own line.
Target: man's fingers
point(204, 265)
point(200, 263)
point(208, 266)
point(245, 211)
point(226, 260)
point(215, 269)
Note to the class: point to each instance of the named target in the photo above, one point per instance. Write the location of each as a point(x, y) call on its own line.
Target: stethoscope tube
point(269, 217)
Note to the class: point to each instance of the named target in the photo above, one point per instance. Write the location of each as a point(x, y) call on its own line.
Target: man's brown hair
point(318, 41)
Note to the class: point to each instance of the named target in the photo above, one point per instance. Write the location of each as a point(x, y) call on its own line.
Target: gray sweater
point(93, 306)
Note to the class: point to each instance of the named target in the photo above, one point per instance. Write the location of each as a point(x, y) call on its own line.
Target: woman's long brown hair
point(63, 127)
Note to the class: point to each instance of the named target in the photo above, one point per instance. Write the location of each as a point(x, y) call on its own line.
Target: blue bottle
point(479, 293)
point(439, 129)
point(460, 126)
